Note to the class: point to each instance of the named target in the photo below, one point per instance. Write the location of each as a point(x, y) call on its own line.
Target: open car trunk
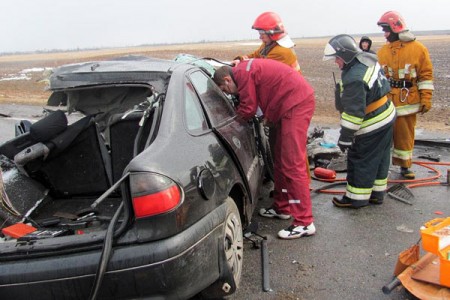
point(66, 181)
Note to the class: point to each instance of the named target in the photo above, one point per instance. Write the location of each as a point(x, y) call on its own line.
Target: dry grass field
point(22, 76)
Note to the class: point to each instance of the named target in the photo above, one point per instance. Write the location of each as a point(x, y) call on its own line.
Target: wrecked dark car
point(145, 195)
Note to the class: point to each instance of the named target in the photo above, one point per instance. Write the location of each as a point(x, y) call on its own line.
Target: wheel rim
point(234, 246)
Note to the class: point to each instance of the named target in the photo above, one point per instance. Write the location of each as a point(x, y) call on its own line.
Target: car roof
point(122, 70)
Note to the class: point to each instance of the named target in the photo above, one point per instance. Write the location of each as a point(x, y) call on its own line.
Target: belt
point(375, 105)
point(400, 83)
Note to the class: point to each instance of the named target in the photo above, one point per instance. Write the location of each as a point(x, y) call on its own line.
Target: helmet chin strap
point(392, 37)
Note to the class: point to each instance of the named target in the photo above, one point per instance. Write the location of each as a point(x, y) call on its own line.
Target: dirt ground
point(34, 68)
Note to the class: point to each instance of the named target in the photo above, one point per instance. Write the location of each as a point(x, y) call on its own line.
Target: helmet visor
point(329, 52)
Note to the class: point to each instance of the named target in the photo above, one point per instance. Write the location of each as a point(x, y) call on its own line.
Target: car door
point(237, 134)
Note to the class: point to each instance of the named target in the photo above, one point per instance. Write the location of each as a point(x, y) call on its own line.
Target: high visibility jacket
point(360, 86)
point(271, 85)
point(408, 62)
point(275, 52)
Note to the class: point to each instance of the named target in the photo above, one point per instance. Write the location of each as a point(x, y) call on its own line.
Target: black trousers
point(368, 162)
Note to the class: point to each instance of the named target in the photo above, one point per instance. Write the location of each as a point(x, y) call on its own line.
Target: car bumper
point(174, 268)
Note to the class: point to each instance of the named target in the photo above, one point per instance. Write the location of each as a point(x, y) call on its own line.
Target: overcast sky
point(29, 25)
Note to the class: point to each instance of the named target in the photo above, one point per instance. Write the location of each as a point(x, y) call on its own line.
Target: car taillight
point(153, 194)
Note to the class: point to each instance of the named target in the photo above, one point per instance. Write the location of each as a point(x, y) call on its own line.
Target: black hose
point(105, 255)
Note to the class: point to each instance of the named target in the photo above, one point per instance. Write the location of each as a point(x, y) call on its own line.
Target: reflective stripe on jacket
point(362, 85)
point(408, 61)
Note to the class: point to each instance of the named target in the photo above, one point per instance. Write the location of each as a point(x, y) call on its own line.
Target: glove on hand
point(344, 145)
point(425, 106)
point(337, 98)
point(235, 62)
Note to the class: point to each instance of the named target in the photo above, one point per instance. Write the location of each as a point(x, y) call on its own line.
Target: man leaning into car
point(287, 102)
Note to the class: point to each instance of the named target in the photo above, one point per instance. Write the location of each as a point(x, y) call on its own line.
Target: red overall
point(287, 101)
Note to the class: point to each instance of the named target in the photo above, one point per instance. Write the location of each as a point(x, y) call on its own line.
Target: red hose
point(426, 181)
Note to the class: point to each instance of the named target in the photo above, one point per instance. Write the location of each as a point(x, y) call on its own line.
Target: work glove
point(235, 62)
point(425, 100)
point(344, 143)
point(268, 124)
point(337, 98)
point(425, 106)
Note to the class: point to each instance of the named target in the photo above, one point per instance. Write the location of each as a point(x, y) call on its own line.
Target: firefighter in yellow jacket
point(276, 43)
point(408, 67)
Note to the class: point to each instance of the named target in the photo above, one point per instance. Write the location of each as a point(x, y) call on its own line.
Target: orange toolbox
point(436, 240)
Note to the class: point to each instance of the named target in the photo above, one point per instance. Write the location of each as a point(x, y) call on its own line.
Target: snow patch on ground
point(24, 74)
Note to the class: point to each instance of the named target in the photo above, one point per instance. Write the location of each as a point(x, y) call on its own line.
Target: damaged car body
point(144, 196)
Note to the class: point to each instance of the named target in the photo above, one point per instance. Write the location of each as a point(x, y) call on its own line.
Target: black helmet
point(343, 46)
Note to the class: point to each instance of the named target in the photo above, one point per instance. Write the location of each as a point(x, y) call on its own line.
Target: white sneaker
point(271, 213)
point(295, 232)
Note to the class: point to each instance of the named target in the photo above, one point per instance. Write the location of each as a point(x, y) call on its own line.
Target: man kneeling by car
point(287, 102)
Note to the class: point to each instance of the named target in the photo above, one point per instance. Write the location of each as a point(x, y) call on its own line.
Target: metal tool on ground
point(401, 193)
point(324, 188)
point(260, 242)
point(430, 157)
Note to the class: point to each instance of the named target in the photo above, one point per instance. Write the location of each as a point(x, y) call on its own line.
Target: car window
point(195, 120)
point(218, 107)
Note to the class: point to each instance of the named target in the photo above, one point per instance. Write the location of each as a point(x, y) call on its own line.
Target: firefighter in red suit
point(287, 102)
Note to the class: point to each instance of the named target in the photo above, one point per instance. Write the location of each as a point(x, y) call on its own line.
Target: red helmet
point(394, 21)
point(270, 23)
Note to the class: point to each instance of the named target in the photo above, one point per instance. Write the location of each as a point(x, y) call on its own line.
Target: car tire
point(233, 240)
point(232, 250)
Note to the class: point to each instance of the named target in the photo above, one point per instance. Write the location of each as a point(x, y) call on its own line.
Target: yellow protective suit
point(277, 52)
point(407, 62)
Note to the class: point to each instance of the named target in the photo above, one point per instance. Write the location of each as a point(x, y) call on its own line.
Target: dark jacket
point(366, 39)
point(363, 82)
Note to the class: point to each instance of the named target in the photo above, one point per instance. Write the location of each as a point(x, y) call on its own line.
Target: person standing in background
point(407, 65)
point(365, 44)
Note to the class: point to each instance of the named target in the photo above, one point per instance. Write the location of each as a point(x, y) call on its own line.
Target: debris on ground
point(404, 228)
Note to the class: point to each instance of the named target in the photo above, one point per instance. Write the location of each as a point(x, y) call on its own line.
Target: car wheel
point(233, 241)
point(232, 251)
